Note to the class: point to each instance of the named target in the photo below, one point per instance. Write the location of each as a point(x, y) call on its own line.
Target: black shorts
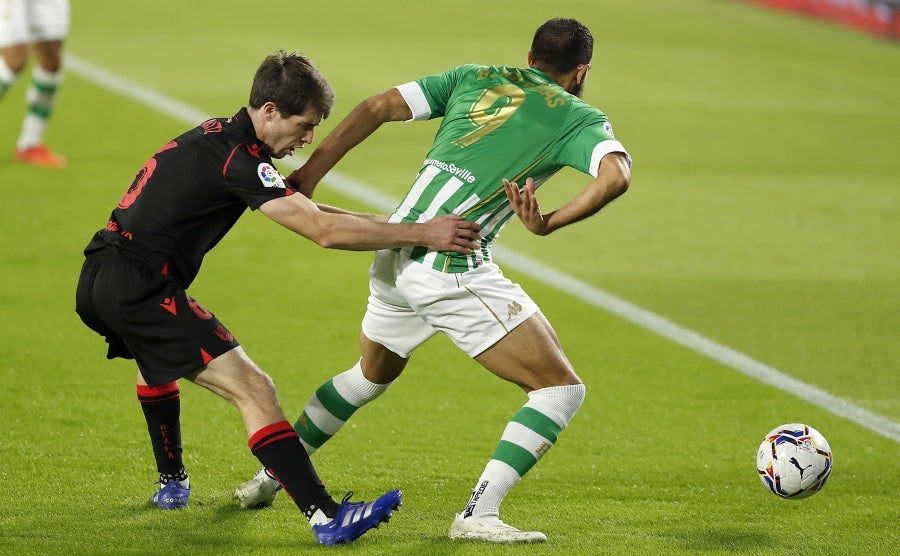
point(147, 316)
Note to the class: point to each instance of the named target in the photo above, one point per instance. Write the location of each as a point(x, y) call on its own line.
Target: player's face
point(283, 135)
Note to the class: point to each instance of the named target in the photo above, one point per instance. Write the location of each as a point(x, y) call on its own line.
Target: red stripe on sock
point(158, 393)
point(271, 433)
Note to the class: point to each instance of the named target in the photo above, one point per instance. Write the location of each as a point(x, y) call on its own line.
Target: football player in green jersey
point(501, 127)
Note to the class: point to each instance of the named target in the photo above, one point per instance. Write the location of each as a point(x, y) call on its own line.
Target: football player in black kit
point(132, 288)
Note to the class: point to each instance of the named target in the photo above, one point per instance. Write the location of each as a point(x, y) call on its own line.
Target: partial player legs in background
point(41, 98)
point(8, 76)
point(36, 30)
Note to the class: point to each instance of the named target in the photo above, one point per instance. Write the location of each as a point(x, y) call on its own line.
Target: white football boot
point(491, 528)
point(258, 492)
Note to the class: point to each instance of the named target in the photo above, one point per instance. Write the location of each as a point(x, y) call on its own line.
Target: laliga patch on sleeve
point(269, 176)
point(607, 127)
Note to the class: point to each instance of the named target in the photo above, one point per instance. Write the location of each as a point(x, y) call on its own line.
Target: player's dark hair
point(561, 45)
point(293, 83)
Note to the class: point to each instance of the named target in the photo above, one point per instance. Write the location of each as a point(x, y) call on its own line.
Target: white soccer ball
point(794, 461)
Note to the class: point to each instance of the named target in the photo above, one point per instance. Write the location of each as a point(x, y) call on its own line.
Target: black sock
point(162, 410)
point(278, 448)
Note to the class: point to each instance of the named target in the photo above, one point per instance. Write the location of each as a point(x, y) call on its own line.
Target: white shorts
point(410, 302)
point(31, 21)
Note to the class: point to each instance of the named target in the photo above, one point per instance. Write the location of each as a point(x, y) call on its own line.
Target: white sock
point(355, 388)
point(495, 482)
point(41, 96)
point(319, 518)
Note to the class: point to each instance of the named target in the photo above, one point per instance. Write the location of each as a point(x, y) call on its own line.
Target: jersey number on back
point(142, 177)
point(490, 110)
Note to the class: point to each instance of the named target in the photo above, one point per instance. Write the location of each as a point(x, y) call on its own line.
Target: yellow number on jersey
point(490, 110)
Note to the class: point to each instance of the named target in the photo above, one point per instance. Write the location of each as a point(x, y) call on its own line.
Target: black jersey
point(189, 194)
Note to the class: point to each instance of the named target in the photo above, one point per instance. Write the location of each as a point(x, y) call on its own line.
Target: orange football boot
point(40, 155)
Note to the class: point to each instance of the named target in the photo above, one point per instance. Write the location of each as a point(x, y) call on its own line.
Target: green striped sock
point(41, 95)
point(333, 404)
point(530, 434)
point(324, 415)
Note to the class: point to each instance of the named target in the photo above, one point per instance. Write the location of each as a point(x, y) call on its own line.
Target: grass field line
point(581, 290)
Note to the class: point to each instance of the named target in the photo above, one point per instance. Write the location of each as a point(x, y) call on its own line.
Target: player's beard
point(577, 89)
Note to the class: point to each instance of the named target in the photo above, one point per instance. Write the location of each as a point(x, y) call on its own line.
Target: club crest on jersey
point(269, 176)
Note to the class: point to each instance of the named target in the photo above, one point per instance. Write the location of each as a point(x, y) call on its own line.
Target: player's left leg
point(41, 99)
point(333, 403)
point(530, 356)
point(15, 37)
point(161, 406)
point(391, 330)
point(11, 64)
point(328, 410)
point(276, 444)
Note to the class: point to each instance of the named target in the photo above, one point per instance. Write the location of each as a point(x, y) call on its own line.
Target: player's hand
point(525, 205)
point(450, 232)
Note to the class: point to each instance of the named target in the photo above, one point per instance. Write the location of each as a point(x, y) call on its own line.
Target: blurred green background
point(763, 215)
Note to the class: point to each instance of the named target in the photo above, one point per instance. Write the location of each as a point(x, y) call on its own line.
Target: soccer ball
point(794, 461)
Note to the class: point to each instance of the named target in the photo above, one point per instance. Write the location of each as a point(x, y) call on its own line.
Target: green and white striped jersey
point(498, 122)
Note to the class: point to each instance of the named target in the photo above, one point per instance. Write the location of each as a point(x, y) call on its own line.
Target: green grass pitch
point(763, 215)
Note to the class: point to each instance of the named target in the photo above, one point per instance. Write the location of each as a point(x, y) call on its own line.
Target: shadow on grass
point(215, 525)
point(729, 540)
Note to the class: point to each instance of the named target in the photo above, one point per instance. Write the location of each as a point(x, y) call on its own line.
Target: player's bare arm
point(349, 232)
point(339, 210)
point(613, 178)
point(361, 122)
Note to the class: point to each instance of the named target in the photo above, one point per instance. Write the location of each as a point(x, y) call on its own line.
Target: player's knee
point(573, 396)
point(259, 383)
point(16, 57)
point(560, 402)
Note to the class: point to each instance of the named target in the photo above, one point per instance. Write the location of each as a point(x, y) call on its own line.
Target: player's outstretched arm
point(613, 179)
point(351, 232)
point(361, 122)
point(339, 210)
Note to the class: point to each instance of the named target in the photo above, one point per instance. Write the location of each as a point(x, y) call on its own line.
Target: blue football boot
point(353, 519)
point(171, 496)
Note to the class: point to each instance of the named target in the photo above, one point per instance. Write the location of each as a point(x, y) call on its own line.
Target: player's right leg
point(531, 357)
point(11, 64)
point(494, 321)
point(328, 410)
point(277, 446)
point(15, 37)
